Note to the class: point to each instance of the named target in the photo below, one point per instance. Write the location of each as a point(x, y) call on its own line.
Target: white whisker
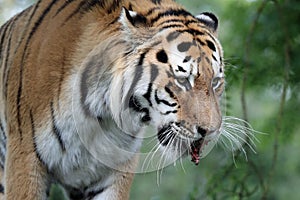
point(243, 131)
point(160, 169)
point(238, 133)
point(152, 152)
point(165, 157)
point(181, 154)
point(234, 142)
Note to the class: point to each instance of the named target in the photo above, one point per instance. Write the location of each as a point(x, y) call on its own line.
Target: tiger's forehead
point(187, 49)
point(181, 44)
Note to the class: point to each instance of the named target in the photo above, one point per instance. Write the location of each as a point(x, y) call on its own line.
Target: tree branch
point(247, 57)
point(246, 62)
point(286, 77)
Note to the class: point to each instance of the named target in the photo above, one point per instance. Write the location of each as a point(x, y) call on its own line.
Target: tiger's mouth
point(167, 135)
point(195, 150)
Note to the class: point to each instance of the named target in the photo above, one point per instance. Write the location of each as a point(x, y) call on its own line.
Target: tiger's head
point(166, 70)
point(178, 79)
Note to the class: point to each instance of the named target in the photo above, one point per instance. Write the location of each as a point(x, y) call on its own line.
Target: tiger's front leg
point(25, 175)
point(120, 190)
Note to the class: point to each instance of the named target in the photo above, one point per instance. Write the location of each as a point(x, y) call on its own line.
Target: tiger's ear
point(134, 27)
point(210, 20)
point(131, 18)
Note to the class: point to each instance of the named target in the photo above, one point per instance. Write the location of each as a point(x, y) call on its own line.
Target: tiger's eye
point(182, 81)
point(215, 82)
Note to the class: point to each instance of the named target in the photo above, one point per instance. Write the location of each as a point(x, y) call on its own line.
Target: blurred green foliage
point(261, 45)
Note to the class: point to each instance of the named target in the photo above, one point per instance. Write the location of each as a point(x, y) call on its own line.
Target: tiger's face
point(176, 87)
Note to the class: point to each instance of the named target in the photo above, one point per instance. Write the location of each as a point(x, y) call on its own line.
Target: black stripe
point(34, 141)
point(187, 59)
point(86, 6)
point(92, 3)
point(146, 117)
point(156, 1)
point(154, 73)
point(6, 67)
point(170, 111)
point(207, 60)
point(60, 82)
point(20, 79)
point(32, 32)
point(199, 60)
point(89, 77)
point(183, 22)
point(180, 69)
point(2, 153)
point(180, 12)
point(67, 2)
point(34, 11)
point(78, 194)
point(194, 32)
point(92, 76)
point(147, 95)
point(116, 4)
point(172, 36)
point(201, 42)
point(3, 131)
point(4, 26)
point(77, 10)
point(158, 101)
point(211, 36)
point(89, 5)
point(28, 21)
point(1, 189)
point(3, 29)
point(141, 60)
point(84, 82)
point(136, 106)
point(6, 29)
point(6, 83)
point(2, 164)
point(151, 11)
point(211, 45)
point(169, 91)
point(38, 23)
point(171, 26)
point(171, 21)
point(188, 22)
point(92, 194)
point(1, 127)
point(62, 73)
point(55, 129)
point(214, 58)
point(184, 46)
point(130, 6)
point(137, 76)
point(4, 49)
point(114, 21)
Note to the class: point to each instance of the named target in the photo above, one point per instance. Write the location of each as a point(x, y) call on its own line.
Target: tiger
point(80, 81)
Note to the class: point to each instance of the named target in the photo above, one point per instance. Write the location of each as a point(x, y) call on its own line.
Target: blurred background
point(261, 45)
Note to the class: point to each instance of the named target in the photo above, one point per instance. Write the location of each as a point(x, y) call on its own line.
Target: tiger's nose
point(201, 131)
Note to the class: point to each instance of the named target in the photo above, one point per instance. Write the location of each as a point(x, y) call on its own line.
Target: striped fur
point(80, 79)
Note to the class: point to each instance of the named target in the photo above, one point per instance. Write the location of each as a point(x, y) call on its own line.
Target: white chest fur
point(92, 151)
